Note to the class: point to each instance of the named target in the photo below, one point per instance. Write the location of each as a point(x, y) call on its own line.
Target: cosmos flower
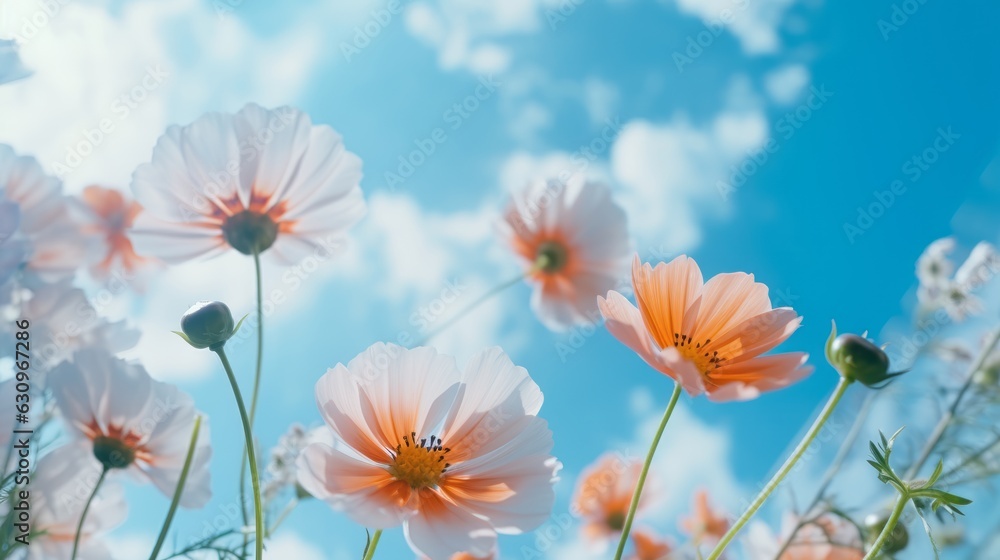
point(49, 238)
point(11, 67)
point(705, 523)
point(829, 537)
point(66, 321)
point(940, 289)
point(604, 493)
point(573, 238)
point(281, 471)
point(455, 457)
point(60, 486)
point(648, 546)
point(133, 422)
point(708, 336)
point(12, 251)
point(112, 216)
point(257, 181)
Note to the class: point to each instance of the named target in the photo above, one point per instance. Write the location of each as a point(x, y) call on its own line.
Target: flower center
point(249, 232)
point(616, 520)
point(420, 465)
point(552, 257)
point(697, 352)
point(113, 453)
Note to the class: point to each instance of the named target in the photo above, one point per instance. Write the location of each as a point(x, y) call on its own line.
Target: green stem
point(800, 450)
point(370, 553)
point(949, 415)
point(282, 516)
point(897, 511)
point(83, 515)
point(472, 306)
point(254, 393)
point(251, 454)
point(179, 490)
point(634, 505)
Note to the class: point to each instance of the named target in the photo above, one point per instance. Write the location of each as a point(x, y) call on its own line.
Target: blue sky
point(886, 95)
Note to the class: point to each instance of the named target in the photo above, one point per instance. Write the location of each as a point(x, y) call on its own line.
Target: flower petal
point(666, 296)
point(442, 529)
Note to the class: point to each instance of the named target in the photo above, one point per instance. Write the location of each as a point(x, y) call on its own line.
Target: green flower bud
point(208, 324)
point(858, 359)
point(897, 540)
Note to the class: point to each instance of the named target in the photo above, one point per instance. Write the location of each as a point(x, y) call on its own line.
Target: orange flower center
point(250, 232)
point(421, 465)
point(697, 353)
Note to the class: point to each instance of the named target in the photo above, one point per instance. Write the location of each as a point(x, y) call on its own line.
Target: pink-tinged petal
point(442, 529)
point(667, 296)
point(412, 390)
point(365, 492)
point(510, 485)
point(747, 380)
point(173, 242)
point(624, 321)
point(494, 389)
point(728, 300)
point(339, 400)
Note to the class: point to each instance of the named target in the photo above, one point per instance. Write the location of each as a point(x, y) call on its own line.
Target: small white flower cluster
point(943, 286)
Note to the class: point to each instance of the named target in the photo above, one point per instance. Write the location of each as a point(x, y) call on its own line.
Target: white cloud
point(785, 84)
point(131, 546)
point(600, 99)
point(670, 173)
point(754, 23)
point(291, 545)
point(465, 33)
point(139, 69)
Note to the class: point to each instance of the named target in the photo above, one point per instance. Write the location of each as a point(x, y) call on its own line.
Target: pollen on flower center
point(552, 257)
point(250, 232)
point(422, 464)
point(697, 352)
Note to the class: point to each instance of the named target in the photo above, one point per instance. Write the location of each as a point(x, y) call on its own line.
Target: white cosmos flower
point(59, 488)
point(260, 180)
point(133, 421)
point(50, 232)
point(940, 289)
point(453, 456)
point(582, 236)
point(64, 321)
point(11, 67)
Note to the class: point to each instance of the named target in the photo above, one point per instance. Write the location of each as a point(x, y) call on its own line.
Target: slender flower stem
point(472, 306)
point(370, 553)
point(949, 415)
point(634, 505)
point(179, 491)
point(255, 392)
point(797, 453)
point(282, 516)
point(890, 525)
point(251, 454)
point(83, 515)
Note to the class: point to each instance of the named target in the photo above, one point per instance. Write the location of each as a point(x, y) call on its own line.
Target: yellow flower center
point(420, 465)
point(697, 353)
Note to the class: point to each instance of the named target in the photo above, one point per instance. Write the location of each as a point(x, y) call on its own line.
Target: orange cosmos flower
point(705, 522)
point(453, 456)
point(604, 493)
point(828, 537)
point(648, 546)
point(113, 215)
point(574, 239)
point(708, 336)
